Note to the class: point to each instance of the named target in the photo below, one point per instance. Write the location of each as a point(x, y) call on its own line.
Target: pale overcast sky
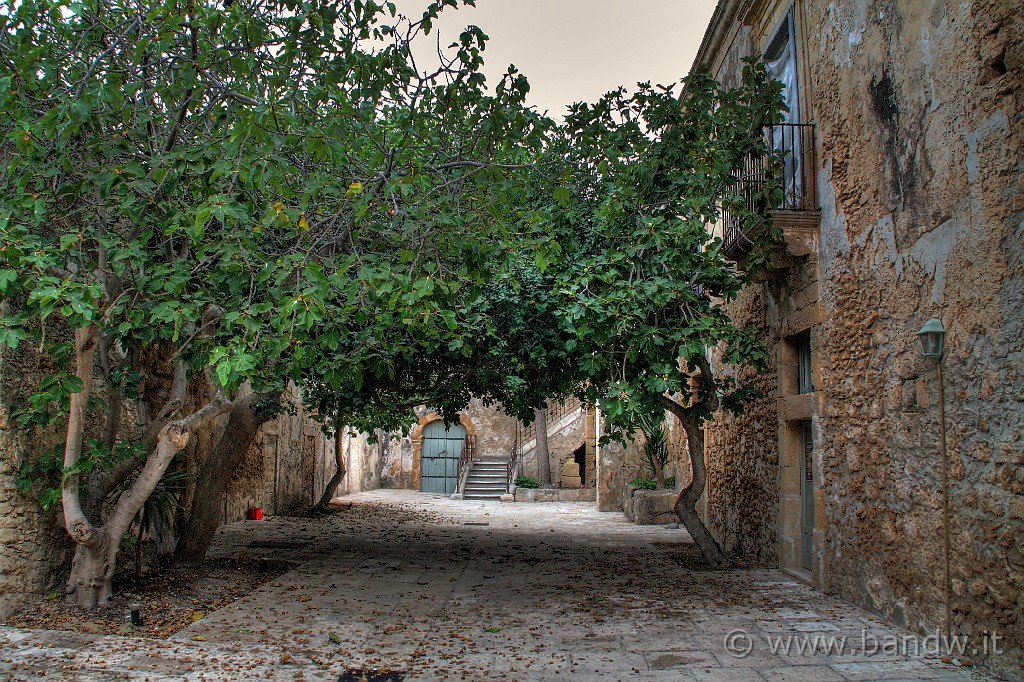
point(576, 50)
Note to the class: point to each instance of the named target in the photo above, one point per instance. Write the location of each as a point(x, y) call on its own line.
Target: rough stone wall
point(617, 464)
point(742, 504)
point(562, 443)
point(921, 187)
point(35, 550)
point(287, 466)
point(495, 430)
point(918, 106)
point(395, 460)
point(364, 461)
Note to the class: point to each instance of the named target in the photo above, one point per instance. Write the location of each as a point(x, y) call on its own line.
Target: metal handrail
point(795, 142)
point(466, 459)
point(555, 412)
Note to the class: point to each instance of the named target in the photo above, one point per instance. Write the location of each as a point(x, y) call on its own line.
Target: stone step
point(486, 480)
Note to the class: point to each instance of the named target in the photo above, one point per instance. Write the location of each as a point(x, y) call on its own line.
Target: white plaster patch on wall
point(932, 249)
point(995, 123)
point(847, 23)
point(883, 242)
point(834, 242)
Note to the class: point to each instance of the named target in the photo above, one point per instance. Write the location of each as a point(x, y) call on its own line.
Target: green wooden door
point(439, 458)
point(807, 497)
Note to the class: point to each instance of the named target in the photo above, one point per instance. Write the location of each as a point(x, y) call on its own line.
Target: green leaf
point(7, 278)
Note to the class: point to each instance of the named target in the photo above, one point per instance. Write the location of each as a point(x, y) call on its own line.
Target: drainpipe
point(945, 502)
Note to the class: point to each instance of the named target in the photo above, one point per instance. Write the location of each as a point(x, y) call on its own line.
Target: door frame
point(417, 441)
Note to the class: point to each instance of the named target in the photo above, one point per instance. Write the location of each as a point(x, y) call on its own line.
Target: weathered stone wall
point(363, 461)
point(742, 455)
point(565, 435)
point(35, 552)
point(617, 465)
point(921, 187)
point(287, 466)
point(495, 430)
point(919, 111)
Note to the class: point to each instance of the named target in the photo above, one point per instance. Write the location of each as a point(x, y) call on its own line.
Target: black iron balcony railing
point(795, 141)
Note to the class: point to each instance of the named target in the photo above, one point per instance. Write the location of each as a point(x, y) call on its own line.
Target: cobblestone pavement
point(466, 590)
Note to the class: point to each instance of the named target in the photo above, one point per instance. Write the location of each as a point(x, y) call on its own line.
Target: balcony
point(798, 213)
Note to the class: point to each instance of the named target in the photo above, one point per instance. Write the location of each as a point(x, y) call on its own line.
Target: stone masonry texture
point(920, 183)
point(34, 549)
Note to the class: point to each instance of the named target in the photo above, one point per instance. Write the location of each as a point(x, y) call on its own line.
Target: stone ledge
point(556, 495)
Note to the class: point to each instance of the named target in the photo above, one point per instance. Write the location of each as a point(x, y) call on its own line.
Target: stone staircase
point(486, 480)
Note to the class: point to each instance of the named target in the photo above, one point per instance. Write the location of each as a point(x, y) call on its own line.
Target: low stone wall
point(556, 495)
point(650, 507)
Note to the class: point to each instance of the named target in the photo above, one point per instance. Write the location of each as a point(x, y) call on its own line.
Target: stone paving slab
point(471, 590)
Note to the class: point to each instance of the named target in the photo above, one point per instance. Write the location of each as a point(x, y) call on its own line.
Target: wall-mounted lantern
point(932, 335)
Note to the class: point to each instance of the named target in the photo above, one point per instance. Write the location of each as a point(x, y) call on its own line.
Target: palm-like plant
point(157, 518)
point(655, 449)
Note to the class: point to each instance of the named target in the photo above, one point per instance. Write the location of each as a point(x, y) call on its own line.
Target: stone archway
point(417, 441)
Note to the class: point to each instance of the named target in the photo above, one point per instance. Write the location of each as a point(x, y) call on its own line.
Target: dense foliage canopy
point(206, 198)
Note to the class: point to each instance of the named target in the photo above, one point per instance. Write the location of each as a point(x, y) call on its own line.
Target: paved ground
point(490, 591)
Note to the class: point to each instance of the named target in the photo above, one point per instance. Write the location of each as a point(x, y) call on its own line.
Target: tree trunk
point(339, 475)
point(659, 473)
point(686, 503)
point(541, 448)
point(92, 568)
point(243, 424)
point(92, 571)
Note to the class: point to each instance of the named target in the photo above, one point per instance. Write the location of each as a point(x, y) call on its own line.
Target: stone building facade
point(287, 467)
point(908, 116)
point(398, 458)
point(32, 541)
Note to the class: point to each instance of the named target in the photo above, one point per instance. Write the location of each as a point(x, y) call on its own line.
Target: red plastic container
point(254, 513)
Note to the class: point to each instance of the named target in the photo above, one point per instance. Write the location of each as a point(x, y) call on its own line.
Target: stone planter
point(650, 507)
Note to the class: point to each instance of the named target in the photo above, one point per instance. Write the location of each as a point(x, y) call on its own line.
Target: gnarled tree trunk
point(686, 503)
point(541, 448)
point(339, 474)
point(92, 569)
point(244, 422)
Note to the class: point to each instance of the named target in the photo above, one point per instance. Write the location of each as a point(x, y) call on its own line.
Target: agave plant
point(156, 519)
point(655, 450)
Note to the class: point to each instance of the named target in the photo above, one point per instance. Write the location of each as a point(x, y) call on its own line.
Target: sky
point(576, 50)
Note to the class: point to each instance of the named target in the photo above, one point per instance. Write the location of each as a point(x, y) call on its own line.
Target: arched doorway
point(439, 458)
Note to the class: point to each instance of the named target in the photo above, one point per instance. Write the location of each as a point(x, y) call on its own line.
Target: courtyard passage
point(463, 590)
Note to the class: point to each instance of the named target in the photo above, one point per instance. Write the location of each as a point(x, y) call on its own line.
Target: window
point(805, 383)
point(781, 61)
point(780, 58)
